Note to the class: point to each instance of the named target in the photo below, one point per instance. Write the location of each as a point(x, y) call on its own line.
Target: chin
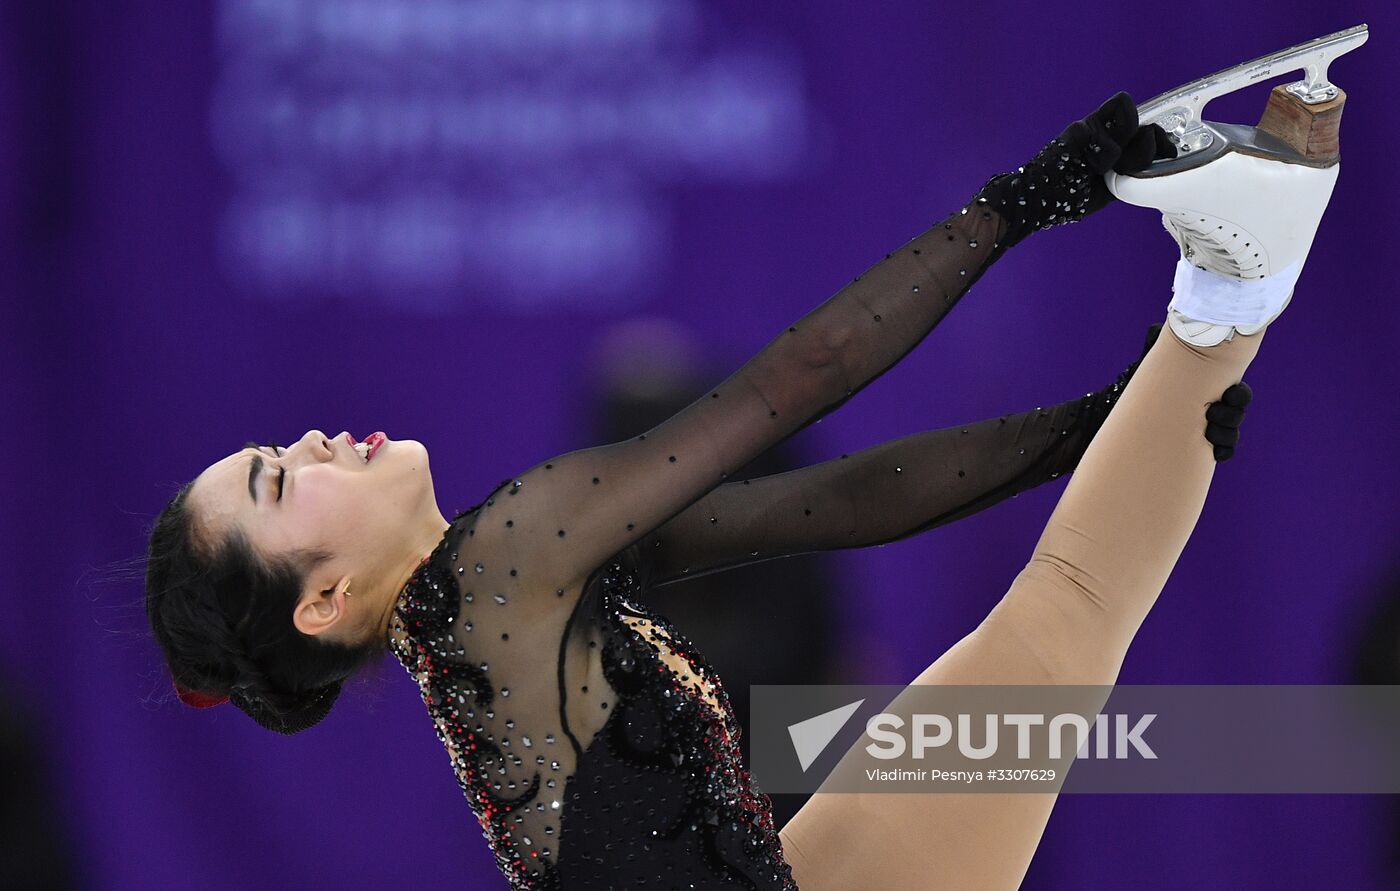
point(414, 456)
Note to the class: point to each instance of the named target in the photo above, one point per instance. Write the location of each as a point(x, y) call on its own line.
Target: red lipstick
point(376, 441)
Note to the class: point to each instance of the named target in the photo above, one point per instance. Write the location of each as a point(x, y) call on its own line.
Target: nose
point(315, 443)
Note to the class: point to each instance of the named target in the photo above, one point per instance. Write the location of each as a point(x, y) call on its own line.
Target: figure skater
point(596, 747)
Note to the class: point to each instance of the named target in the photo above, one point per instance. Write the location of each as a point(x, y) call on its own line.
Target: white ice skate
point(1243, 203)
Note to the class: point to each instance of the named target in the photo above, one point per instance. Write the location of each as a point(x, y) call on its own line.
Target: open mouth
point(370, 447)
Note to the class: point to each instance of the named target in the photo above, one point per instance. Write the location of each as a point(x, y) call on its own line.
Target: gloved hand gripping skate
point(1223, 417)
point(1064, 182)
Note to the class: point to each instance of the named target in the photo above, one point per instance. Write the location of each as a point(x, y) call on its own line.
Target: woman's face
point(318, 493)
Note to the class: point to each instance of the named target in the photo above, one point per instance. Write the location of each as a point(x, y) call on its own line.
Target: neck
point(421, 543)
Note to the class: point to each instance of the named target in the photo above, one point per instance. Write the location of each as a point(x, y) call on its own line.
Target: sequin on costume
point(658, 798)
point(596, 747)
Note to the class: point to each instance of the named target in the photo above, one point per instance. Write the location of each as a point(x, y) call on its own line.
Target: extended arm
point(877, 495)
point(900, 488)
point(583, 506)
point(565, 516)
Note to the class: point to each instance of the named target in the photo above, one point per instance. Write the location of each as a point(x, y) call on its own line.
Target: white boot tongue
point(1205, 296)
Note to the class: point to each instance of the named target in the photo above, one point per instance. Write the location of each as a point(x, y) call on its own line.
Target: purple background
point(133, 359)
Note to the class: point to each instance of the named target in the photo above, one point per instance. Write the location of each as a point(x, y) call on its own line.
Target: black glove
point(1223, 419)
point(1064, 182)
point(1087, 418)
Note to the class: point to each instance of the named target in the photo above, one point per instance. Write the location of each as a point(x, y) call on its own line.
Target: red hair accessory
point(197, 699)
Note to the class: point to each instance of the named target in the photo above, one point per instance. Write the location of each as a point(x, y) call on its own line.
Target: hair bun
point(291, 714)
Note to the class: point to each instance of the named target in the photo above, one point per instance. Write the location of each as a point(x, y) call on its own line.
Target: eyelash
point(282, 471)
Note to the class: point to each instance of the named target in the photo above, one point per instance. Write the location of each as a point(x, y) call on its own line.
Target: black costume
point(595, 745)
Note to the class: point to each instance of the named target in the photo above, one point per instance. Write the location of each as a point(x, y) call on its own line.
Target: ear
point(321, 607)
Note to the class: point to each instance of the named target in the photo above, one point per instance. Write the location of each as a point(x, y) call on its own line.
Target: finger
point(1238, 395)
point(1087, 139)
point(1165, 147)
point(1118, 117)
point(1229, 415)
point(1102, 150)
point(1226, 436)
point(1224, 453)
point(1138, 153)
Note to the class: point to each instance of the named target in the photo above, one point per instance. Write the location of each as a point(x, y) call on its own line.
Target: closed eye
point(277, 451)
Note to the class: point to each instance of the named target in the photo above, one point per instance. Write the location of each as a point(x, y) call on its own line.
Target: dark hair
point(222, 615)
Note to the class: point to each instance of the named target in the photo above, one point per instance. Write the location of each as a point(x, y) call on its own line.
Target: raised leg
point(1068, 618)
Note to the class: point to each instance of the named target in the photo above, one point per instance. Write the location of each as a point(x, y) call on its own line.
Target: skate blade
point(1299, 126)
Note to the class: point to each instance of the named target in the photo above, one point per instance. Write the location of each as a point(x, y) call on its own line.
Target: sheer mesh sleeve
point(572, 512)
point(493, 627)
point(880, 494)
point(483, 649)
point(522, 628)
